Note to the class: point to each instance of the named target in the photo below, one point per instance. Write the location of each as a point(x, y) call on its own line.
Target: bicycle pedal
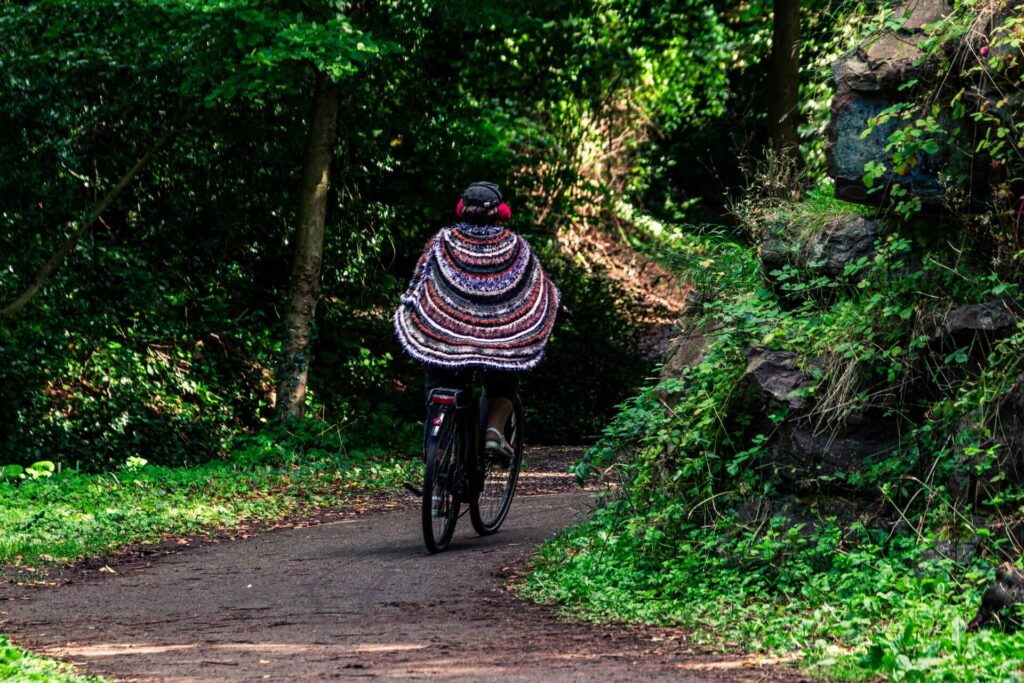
point(497, 458)
point(412, 489)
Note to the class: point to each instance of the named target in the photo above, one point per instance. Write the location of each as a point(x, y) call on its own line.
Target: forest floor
point(659, 293)
point(351, 597)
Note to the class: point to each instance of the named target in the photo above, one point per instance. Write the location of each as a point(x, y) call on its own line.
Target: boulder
point(804, 454)
point(687, 348)
point(840, 240)
point(1005, 592)
point(803, 458)
point(885, 62)
point(973, 319)
point(777, 251)
point(918, 14)
point(975, 327)
point(869, 80)
point(847, 153)
point(881, 66)
point(690, 338)
point(772, 377)
point(844, 240)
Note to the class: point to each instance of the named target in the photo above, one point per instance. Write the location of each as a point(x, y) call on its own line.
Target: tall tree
point(304, 286)
point(784, 81)
point(323, 39)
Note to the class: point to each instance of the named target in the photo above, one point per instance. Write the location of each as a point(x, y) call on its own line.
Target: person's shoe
point(497, 447)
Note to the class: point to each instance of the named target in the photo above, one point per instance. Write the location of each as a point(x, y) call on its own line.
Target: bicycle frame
point(456, 470)
point(449, 410)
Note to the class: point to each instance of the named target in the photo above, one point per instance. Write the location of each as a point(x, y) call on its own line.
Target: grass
point(19, 666)
point(843, 611)
point(65, 517)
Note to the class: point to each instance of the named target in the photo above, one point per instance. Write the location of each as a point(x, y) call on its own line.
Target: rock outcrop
point(827, 250)
point(803, 455)
point(806, 458)
point(868, 81)
point(772, 377)
point(689, 339)
point(1006, 591)
point(971, 320)
point(974, 329)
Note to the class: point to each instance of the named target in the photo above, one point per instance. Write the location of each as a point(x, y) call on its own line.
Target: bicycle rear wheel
point(496, 479)
point(440, 509)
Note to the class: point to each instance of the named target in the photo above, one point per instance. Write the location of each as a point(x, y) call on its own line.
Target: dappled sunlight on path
point(360, 599)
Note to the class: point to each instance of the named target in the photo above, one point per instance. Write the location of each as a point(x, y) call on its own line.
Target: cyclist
point(478, 300)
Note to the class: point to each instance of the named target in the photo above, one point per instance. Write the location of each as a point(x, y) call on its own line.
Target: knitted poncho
point(478, 298)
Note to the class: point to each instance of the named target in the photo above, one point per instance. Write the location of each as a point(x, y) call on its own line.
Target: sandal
point(496, 444)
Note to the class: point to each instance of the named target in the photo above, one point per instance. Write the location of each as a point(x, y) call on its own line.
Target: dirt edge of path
point(613, 652)
point(544, 472)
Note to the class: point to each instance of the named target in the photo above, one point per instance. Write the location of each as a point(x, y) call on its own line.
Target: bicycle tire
point(496, 485)
point(439, 481)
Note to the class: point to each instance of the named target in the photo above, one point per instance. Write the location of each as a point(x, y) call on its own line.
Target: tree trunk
point(784, 81)
point(304, 288)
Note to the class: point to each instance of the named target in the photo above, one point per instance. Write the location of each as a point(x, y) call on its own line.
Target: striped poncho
point(478, 298)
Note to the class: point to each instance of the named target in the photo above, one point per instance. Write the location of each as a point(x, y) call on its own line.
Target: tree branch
point(87, 222)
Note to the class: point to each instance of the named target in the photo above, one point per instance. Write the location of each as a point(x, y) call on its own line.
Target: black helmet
point(483, 195)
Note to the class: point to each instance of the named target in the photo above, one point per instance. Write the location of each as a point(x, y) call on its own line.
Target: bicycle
point(457, 470)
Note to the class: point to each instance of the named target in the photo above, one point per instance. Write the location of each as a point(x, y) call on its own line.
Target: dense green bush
point(161, 333)
point(880, 569)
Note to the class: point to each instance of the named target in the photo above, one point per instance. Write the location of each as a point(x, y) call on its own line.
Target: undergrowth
point(848, 603)
point(872, 568)
point(67, 516)
point(19, 666)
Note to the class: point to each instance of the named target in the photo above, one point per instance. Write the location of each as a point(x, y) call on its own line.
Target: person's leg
point(501, 388)
point(498, 410)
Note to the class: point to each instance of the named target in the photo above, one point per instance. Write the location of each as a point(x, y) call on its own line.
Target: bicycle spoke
point(497, 480)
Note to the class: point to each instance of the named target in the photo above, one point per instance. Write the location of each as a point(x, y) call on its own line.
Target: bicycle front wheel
point(497, 477)
point(440, 510)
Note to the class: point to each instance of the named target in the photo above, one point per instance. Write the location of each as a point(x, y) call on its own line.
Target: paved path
point(352, 599)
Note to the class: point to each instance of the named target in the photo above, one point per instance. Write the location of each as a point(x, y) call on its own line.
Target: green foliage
point(68, 516)
point(695, 162)
point(88, 401)
point(962, 126)
point(19, 666)
point(159, 336)
point(850, 602)
point(863, 580)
